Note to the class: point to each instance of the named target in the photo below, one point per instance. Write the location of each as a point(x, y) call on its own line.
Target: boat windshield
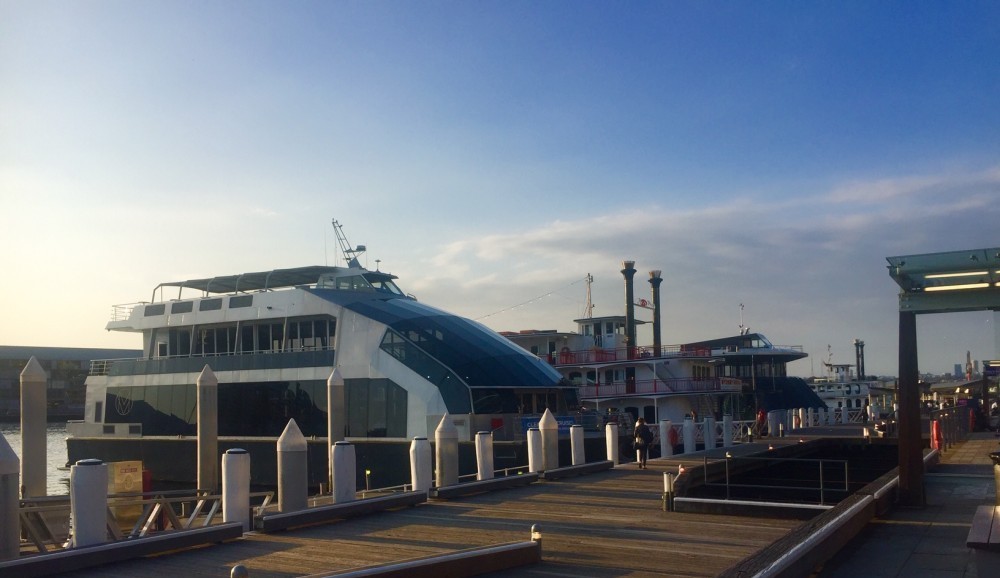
point(383, 284)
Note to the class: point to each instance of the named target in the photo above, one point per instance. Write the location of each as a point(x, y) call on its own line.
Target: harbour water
point(57, 472)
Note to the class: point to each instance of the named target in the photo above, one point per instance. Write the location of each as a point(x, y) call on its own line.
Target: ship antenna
point(743, 329)
point(350, 255)
point(589, 309)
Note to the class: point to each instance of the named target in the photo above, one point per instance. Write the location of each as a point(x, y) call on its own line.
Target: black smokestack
point(859, 354)
point(628, 271)
point(654, 281)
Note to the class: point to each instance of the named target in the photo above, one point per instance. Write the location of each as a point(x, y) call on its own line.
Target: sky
point(766, 156)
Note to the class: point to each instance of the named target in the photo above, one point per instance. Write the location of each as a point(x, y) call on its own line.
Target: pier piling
point(550, 440)
point(207, 387)
point(345, 483)
point(293, 469)
point(576, 445)
point(484, 455)
point(535, 450)
point(34, 403)
point(10, 521)
point(610, 440)
point(420, 464)
point(446, 453)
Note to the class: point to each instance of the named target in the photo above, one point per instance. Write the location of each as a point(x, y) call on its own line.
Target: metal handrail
point(820, 462)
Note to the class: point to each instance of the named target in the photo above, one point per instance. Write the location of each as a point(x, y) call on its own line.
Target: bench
point(984, 539)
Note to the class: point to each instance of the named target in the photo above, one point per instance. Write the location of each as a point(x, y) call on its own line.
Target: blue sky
point(765, 153)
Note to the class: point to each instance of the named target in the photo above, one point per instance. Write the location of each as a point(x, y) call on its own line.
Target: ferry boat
point(273, 338)
point(738, 375)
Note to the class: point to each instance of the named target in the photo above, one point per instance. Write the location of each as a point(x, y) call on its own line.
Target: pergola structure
point(933, 283)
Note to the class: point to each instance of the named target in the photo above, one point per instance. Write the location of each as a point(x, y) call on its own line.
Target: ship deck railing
point(661, 386)
point(103, 366)
point(597, 355)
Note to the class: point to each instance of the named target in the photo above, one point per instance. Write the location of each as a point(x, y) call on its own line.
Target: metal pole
point(911, 465)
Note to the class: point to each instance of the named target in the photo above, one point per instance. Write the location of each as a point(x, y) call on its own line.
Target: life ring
point(672, 437)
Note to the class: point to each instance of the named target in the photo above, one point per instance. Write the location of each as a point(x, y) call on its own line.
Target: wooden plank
point(982, 525)
point(480, 486)
point(322, 514)
point(470, 562)
point(579, 470)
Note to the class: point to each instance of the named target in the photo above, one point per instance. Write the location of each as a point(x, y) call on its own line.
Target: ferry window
point(152, 310)
point(240, 301)
point(210, 304)
point(609, 328)
point(181, 307)
point(246, 339)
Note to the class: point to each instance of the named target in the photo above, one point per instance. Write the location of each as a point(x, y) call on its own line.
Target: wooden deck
point(603, 524)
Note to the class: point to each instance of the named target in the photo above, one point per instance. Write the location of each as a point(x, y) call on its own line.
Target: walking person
point(643, 438)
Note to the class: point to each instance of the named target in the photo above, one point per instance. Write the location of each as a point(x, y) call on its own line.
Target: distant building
point(66, 369)
point(958, 371)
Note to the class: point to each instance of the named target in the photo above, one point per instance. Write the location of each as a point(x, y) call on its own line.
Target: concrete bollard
point(666, 445)
point(336, 417)
point(207, 388)
point(421, 471)
point(484, 455)
point(293, 470)
point(88, 503)
point(345, 480)
point(550, 440)
point(802, 418)
point(534, 450)
point(446, 453)
point(579, 456)
point(727, 431)
point(610, 441)
point(709, 433)
point(690, 444)
point(10, 520)
point(810, 417)
point(34, 405)
point(236, 487)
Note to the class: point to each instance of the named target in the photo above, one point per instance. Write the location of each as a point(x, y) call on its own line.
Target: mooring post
point(484, 455)
point(345, 480)
point(293, 469)
point(576, 445)
point(690, 444)
point(10, 519)
point(446, 453)
point(207, 388)
point(88, 502)
point(610, 442)
point(727, 431)
point(34, 405)
point(236, 487)
point(421, 472)
point(668, 491)
point(534, 450)
point(550, 440)
point(709, 432)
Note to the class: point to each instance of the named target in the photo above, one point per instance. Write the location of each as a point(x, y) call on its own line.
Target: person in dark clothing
point(643, 438)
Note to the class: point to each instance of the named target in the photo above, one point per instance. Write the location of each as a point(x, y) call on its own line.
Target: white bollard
point(727, 431)
point(666, 447)
point(484, 455)
point(10, 520)
point(534, 450)
point(421, 472)
point(345, 473)
point(810, 417)
point(293, 470)
point(803, 415)
point(446, 453)
point(709, 433)
point(550, 440)
point(207, 390)
point(690, 444)
point(236, 487)
point(88, 503)
point(610, 441)
point(773, 419)
point(34, 396)
point(576, 445)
